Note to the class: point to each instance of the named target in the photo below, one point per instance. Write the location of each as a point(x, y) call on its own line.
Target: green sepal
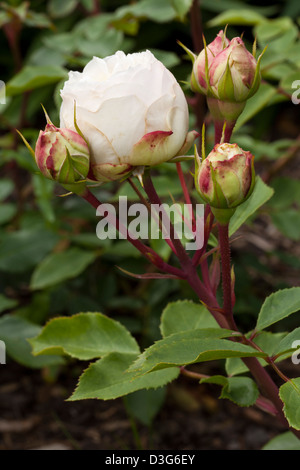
point(66, 172)
point(191, 54)
point(76, 188)
point(197, 167)
point(181, 158)
point(226, 86)
point(78, 129)
point(257, 77)
point(47, 116)
point(223, 216)
point(27, 144)
point(210, 93)
point(203, 143)
point(253, 181)
point(254, 48)
point(195, 85)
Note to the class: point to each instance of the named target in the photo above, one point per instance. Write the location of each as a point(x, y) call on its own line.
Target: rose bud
point(233, 73)
point(200, 69)
point(225, 179)
point(228, 75)
point(62, 155)
point(130, 109)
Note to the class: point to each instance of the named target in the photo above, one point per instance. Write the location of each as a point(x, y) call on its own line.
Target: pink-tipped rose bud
point(62, 155)
point(198, 79)
point(232, 74)
point(225, 178)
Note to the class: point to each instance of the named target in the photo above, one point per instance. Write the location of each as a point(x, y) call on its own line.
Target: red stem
point(226, 271)
point(181, 253)
point(146, 251)
point(208, 222)
point(266, 384)
point(189, 272)
point(146, 203)
point(186, 193)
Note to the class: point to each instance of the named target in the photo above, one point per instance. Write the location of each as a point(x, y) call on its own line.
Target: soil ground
point(35, 415)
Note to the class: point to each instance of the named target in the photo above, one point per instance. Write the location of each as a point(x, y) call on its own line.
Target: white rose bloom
point(130, 109)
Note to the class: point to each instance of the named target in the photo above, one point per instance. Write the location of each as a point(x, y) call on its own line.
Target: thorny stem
point(189, 272)
point(263, 379)
point(146, 251)
point(148, 205)
point(155, 199)
point(185, 193)
point(226, 273)
point(208, 222)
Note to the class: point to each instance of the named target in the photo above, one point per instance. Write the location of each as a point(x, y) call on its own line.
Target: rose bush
point(130, 109)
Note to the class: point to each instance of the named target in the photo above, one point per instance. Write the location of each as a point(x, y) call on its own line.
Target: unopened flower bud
point(225, 179)
point(232, 74)
point(62, 155)
point(200, 69)
point(228, 75)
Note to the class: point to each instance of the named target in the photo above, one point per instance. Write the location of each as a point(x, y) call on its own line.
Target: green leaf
point(15, 331)
point(289, 343)
point(7, 212)
point(43, 189)
point(288, 223)
point(168, 58)
point(110, 42)
point(190, 347)
point(267, 342)
point(6, 303)
point(261, 194)
point(185, 315)
point(277, 306)
point(290, 395)
point(182, 7)
point(155, 10)
point(268, 30)
point(59, 9)
point(31, 77)
point(290, 83)
point(84, 336)
point(145, 404)
point(287, 193)
point(285, 441)
point(239, 16)
point(59, 267)
point(20, 251)
point(109, 378)
point(256, 103)
point(241, 390)
point(6, 188)
point(236, 4)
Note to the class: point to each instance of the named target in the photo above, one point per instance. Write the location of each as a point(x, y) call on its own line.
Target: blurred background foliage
point(51, 262)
